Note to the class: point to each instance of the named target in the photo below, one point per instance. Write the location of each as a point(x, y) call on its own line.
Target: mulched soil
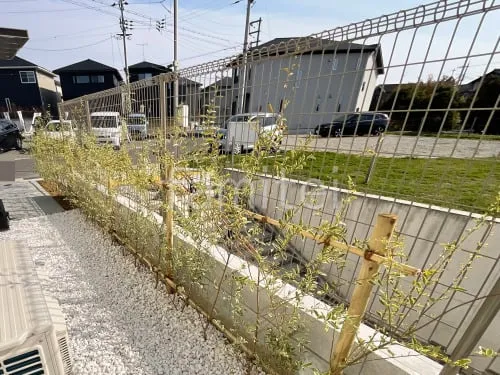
point(51, 188)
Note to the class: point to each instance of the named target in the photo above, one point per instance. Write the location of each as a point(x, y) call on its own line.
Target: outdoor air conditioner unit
point(33, 334)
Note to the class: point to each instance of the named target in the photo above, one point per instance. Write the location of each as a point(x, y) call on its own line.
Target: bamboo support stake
point(384, 227)
point(375, 257)
point(169, 216)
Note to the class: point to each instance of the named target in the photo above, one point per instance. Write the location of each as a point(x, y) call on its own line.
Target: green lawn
point(470, 185)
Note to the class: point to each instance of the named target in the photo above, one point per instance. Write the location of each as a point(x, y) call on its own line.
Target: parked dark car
point(10, 136)
point(354, 124)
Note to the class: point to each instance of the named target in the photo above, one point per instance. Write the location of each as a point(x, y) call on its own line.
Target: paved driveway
point(401, 146)
point(24, 165)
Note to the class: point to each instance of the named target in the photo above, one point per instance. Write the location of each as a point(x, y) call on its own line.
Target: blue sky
point(63, 32)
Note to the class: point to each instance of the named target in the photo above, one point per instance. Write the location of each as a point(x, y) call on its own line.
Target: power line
point(87, 6)
point(129, 11)
point(194, 14)
point(210, 53)
point(206, 35)
point(43, 11)
point(76, 33)
point(99, 9)
point(67, 49)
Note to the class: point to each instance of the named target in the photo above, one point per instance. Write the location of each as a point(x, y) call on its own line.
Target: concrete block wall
point(319, 337)
point(424, 230)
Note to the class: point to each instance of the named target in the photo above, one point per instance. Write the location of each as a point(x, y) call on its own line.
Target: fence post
point(167, 177)
point(87, 115)
point(374, 159)
point(384, 227)
point(482, 320)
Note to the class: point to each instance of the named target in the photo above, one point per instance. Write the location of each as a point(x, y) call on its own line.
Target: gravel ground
point(118, 322)
point(396, 146)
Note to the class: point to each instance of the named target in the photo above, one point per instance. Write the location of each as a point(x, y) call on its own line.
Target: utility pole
point(243, 75)
point(255, 43)
point(176, 62)
point(124, 25)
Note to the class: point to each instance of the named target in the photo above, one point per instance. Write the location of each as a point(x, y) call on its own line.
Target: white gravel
point(118, 322)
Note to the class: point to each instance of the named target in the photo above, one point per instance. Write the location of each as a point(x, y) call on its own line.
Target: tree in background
point(486, 98)
point(413, 115)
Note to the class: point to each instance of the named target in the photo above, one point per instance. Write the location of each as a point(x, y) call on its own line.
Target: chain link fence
point(398, 112)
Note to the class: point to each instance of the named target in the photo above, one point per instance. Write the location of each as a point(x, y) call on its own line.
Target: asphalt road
point(390, 146)
point(401, 146)
point(24, 165)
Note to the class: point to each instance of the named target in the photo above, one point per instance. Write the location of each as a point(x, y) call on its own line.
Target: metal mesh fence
point(399, 112)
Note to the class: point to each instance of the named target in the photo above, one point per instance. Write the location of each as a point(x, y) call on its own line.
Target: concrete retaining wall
point(396, 359)
point(423, 228)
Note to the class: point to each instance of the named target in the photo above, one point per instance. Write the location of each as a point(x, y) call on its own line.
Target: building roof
point(16, 62)
point(225, 82)
point(149, 65)
point(88, 66)
point(495, 72)
point(389, 87)
point(188, 82)
point(20, 63)
point(281, 46)
point(11, 41)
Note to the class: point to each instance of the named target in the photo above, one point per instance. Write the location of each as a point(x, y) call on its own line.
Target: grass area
point(486, 137)
point(470, 185)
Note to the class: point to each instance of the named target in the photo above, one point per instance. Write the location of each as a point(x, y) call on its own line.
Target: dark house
point(26, 86)
point(146, 98)
point(145, 70)
point(469, 89)
point(189, 94)
point(86, 77)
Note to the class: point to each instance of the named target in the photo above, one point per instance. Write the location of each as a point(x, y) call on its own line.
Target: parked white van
point(241, 131)
point(137, 125)
point(107, 128)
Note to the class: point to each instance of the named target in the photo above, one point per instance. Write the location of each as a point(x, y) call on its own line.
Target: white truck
point(240, 132)
point(108, 128)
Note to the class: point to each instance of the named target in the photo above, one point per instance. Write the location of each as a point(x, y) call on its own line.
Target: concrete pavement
point(24, 165)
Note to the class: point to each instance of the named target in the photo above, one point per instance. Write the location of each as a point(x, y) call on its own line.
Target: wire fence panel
point(396, 114)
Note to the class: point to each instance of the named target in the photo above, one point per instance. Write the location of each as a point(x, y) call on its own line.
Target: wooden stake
point(384, 227)
point(169, 216)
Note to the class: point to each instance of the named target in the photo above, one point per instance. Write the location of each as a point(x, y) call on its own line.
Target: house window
point(363, 86)
point(144, 75)
point(27, 76)
point(298, 79)
point(81, 79)
point(97, 79)
point(335, 63)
